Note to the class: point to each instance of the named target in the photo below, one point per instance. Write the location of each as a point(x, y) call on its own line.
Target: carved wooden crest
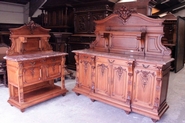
point(32, 25)
point(125, 13)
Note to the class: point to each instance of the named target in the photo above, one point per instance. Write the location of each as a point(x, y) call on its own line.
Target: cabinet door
point(103, 77)
point(53, 67)
point(32, 72)
point(144, 86)
point(119, 80)
point(85, 70)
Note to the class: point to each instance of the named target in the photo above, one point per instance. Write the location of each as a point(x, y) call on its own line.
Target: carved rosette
point(124, 13)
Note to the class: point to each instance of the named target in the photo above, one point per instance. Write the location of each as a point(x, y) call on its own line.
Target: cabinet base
point(36, 97)
point(95, 97)
point(79, 91)
point(113, 102)
point(154, 115)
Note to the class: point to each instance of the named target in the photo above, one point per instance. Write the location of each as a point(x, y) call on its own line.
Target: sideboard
point(126, 66)
point(32, 67)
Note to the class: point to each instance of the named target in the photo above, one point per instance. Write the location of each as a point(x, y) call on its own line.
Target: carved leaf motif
point(85, 66)
point(103, 67)
point(119, 72)
point(145, 79)
point(32, 72)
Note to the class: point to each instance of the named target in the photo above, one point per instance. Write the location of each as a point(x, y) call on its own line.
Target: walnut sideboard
point(126, 66)
point(32, 67)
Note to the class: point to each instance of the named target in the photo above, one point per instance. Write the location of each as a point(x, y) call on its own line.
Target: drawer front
point(32, 63)
point(54, 59)
point(53, 67)
point(112, 60)
point(144, 65)
point(53, 70)
point(83, 57)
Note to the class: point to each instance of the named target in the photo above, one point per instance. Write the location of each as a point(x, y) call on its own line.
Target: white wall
point(12, 13)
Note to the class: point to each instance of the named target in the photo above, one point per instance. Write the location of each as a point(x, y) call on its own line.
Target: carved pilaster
point(130, 79)
point(77, 68)
point(20, 74)
point(158, 87)
point(63, 72)
point(93, 60)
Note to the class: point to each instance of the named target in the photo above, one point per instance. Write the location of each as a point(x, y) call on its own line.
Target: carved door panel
point(103, 77)
point(53, 67)
point(119, 82)
point(144, 86)
point(32, 72)
point(32, 75)
point(53, 70)
point(85, 72)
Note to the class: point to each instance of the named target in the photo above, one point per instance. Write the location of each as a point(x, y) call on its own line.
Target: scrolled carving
point(45, 44)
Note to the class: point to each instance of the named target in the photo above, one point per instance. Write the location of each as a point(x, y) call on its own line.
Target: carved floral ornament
point(125, 13)
point(32, 25)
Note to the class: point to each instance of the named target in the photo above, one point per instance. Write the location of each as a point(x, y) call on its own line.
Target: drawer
point(112, 60)
point(32, 63)
point(54, 59)
point(85, 57)
point(145, 65)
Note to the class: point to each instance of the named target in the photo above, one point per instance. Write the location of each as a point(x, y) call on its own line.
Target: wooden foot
point(22, 110)
point(63, 94)
point(127, 112)
point(77, 94)
point(93, 100)
point(154, 120)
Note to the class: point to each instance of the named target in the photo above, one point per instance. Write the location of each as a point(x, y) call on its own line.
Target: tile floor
point(80, 109)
